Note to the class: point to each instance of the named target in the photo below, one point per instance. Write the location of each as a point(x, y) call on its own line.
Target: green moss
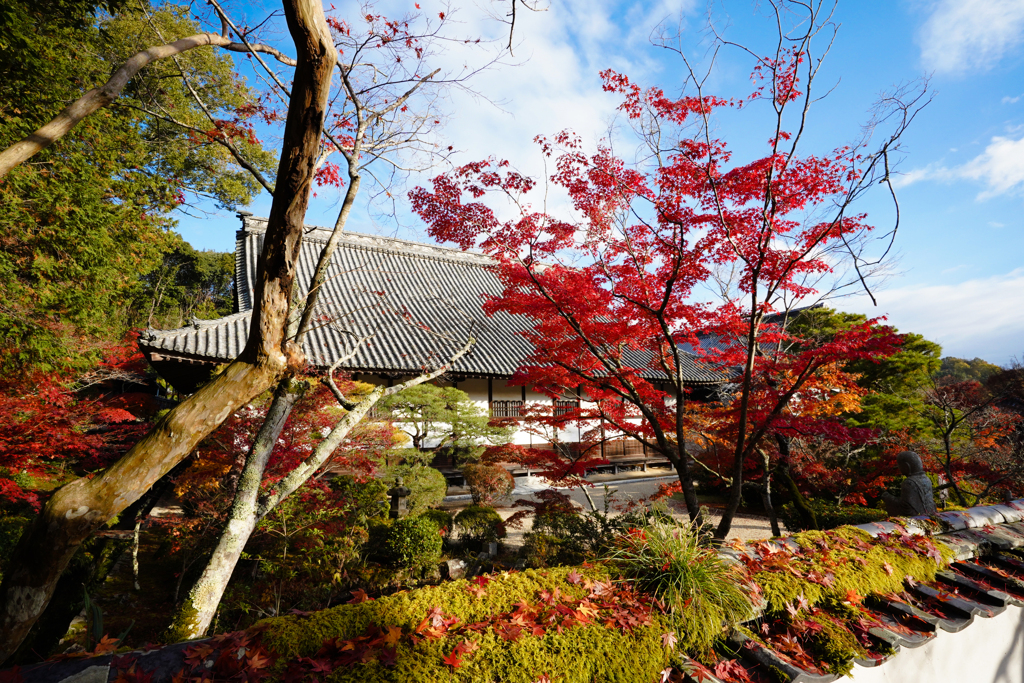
point(578, 654)
point(293, 636)
point(836, 647)
point(851, 560)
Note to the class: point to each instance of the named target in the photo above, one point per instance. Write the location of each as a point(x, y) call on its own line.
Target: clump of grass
point(701, 592)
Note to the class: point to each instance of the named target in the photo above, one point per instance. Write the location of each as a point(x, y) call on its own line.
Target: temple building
point(413, 306)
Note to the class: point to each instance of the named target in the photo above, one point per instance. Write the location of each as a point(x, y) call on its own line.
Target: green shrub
point(702, 590)
point(488, 483)
point(478, 525)
point(428, 486)
point(364, 501)
point(829, 515)
point(443, 519)
point(562, 538)
point(410, 542)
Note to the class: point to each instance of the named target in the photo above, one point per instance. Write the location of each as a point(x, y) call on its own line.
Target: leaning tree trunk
point(78, 509)
point(196, 613)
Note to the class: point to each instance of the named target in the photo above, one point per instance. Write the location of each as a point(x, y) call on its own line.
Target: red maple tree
point(55, 425)
point(617, 297)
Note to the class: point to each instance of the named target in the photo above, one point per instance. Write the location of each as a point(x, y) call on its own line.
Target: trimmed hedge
point(478, 524)
point(829, 515)
point(488, 483)
point(428, 486)
point(442, 518)
point(408, 542)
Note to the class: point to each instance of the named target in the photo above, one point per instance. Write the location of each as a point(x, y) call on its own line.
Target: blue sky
point(959, 275)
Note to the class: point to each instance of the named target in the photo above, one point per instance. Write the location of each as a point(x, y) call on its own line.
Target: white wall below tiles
point(988, 651)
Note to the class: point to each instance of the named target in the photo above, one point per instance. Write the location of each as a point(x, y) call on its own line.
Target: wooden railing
point(564, 407)
point(506, 408)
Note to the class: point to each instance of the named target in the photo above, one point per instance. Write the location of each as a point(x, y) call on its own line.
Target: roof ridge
point(150, 334)
point(318, 234)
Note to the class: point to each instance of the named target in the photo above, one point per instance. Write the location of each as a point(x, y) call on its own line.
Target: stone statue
point(398, 495)
point(916, 493)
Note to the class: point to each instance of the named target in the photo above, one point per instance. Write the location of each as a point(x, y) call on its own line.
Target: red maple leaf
point(452, 659)
point(732, 670)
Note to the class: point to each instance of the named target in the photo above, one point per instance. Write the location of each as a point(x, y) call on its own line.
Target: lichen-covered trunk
point(196, 614)
point(197, 611)
point(78, 509)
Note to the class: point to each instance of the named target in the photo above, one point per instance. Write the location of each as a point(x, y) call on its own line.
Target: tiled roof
point(433, 297)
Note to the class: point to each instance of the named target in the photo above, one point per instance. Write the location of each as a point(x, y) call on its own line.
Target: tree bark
point(196, 613)
point(806, 512)
point(78, 509)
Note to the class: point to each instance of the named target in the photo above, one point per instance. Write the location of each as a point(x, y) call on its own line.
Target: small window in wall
point(506, 408)
point(565, 407)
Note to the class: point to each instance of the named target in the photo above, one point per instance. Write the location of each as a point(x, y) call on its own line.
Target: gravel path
point(745, 527)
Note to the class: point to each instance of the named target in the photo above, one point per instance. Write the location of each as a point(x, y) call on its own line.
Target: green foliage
point(409, 542)
point(488, 483)
point(446, 416)
point(702, 590)
point(428, 486)
point(443, 519)
point(478, 525)
point(894, 383)
point(580, 654)
point(364, 501)
point(188, 284)
point(955, 370)
point(88, 215)
point(10, 532)
point(829, 515)
point(563, 538)
point(300, 547)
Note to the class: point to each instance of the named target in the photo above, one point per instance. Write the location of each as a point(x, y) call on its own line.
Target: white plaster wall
point(987, 651)
point(476, 387)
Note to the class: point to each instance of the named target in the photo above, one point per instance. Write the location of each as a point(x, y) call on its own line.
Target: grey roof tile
point(417, 303)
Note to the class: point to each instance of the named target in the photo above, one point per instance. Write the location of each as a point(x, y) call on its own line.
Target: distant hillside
point(961, 370)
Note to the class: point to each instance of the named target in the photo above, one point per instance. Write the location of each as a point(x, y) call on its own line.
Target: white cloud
point(916, 175)
point(981, 317)
point(996, 224)
point(1012, 100)
point(968, 35)
point(1000, 168)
